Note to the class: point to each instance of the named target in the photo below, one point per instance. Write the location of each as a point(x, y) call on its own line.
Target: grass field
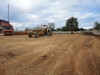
point(60, 54)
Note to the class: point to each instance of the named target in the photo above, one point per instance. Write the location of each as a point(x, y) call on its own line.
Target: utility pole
point(8, 12)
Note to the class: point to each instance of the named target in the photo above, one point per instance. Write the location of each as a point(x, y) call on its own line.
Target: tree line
point(72, 25)
point(64, 28)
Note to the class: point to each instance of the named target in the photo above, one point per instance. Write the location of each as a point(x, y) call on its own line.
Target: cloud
point(51, 20)
point(32, 13)
point(17, 25)
point(30, 17)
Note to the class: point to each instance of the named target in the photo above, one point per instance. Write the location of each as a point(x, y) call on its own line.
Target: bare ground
point(60, 54)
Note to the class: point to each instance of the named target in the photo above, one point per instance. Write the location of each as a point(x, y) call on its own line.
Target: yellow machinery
point(43, 30)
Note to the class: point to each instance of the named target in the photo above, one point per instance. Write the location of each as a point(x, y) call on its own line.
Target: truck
point(8, 30)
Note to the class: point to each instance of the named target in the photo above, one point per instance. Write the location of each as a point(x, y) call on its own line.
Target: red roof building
point(2, 24)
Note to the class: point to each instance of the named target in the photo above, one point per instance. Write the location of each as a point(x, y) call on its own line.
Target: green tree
point(59, 29)
point(82, 29)
point(64, 28)
point(52, 26)
point(72, 24)
point(85, 29)
point(97, 26)
point(90, 29)
point(76, 29)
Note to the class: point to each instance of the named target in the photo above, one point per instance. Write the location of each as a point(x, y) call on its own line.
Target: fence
point(64, 32)
point(95, 32)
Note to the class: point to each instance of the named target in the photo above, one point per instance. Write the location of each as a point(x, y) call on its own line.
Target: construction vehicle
point(42, 30)
point(6, 27)
point(8, 30)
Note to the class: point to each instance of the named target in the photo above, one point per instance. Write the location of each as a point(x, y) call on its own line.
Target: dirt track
point(61, 54)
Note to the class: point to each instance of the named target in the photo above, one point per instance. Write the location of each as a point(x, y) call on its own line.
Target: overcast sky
point(31, 13)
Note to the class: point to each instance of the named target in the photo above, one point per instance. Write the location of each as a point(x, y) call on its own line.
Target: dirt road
point(60, 54)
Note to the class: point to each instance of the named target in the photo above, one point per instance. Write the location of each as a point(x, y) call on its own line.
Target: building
point(2, 24)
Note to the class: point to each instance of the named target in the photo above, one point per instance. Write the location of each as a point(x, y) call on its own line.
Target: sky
point(32, 13)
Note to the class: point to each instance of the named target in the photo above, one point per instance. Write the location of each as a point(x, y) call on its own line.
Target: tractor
point(42, 30)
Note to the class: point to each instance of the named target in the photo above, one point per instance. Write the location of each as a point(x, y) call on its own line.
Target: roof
point(4, 20)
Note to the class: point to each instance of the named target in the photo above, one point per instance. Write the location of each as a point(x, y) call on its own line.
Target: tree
point(82, 29)
point(52, 26)
point(27, 29)
point(97, 26)
point(90, 29)
point(85, 29)
point(64, 28)
point(77, 29)
point(59, 29)
point(72, 24)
